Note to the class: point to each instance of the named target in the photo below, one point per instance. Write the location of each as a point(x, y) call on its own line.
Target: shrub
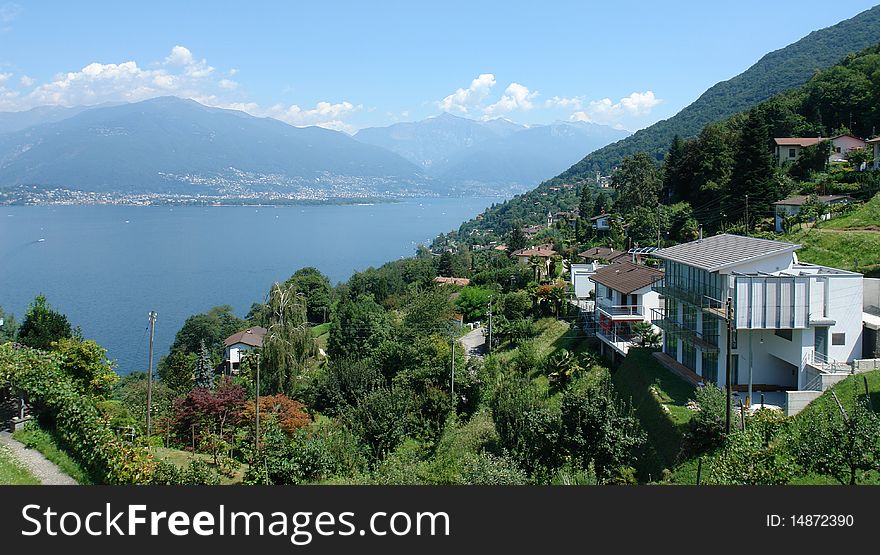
point(706, 429)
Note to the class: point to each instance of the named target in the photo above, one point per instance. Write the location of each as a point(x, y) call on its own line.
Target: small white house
point(237, 344)
point(583, 286)
point(602, 222)
point(788, 149)
point(791, 206)
point(624, 296)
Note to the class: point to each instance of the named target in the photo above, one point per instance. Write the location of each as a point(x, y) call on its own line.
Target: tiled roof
point(798, 141)
point(452, 281)
point(541, 251)
point(626, 277)
point(607, 253)
point(251, 336)
point(723, 251)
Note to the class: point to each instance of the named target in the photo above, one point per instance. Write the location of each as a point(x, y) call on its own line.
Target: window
point(792, 153)
point(608, 293)
point(838, 339)
point(785, 334)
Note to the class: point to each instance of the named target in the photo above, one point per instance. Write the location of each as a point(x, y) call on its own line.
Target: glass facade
point(693, 282)
point(710, 367)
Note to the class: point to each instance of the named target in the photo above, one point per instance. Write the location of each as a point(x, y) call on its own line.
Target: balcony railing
point(617, 311)
point(676, 328)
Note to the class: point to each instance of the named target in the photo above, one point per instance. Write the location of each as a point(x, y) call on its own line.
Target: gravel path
point(41, 467)
point(474, 343)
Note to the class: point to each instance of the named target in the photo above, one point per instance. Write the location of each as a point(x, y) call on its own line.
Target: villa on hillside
point(791, 206)
point(788, 149)
point(543, 252)
point(238, 343)
point(624, 296)
point(796, 326)
point(602, 222)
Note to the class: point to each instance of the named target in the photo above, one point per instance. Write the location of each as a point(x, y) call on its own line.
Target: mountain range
point(463, 152)
point(170, 145)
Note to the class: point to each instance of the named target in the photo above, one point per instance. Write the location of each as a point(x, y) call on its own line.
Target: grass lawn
point(659, 398)
point(12, 472)
point(849, 242)
point(35, 437)
point(181, 459)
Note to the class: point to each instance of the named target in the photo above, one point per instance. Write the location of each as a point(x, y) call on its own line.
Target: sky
point(350, 65)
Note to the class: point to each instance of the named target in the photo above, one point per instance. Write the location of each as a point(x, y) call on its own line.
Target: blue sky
point(349, 65)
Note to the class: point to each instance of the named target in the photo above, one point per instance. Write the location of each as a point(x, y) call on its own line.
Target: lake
point(106, 267)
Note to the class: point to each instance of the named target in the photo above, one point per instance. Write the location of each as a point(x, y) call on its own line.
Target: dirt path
point(41, 467)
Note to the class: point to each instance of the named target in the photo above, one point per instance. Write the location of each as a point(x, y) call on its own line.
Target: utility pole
point(257, 449)
point(152, 317)
point(490, 324)
point(658, 225)
point(452, 388)
point(747, 214)
point(729, 364)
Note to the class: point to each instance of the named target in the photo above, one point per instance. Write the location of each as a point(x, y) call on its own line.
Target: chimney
point(701, 233)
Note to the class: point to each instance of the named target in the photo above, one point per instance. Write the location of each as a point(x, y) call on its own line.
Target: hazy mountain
point(431, 143)
point(16, 121)
point(529, 155)
point(777, 71)
point(463, 152)
point(174, 145)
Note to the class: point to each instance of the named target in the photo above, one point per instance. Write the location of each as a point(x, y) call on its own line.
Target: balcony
point(621, 312)
point(673, 327)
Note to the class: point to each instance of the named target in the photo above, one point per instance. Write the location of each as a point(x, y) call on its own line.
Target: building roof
point(874, 140)
point(605, 253)
point(723, 251)
point(452, 281)
point(251, 336)
point(599, 217)
point(798, 200)
point(626, 277)
point(798, 141)
point(542, 251)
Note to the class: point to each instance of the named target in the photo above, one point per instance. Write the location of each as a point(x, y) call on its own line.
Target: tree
point(177, 370)
point(813, 158)
point(600, 430)
point(516, 240)
point(205, 412)
point(586, 206)
point(359, 326)
point(42, 326)
point(203, 375)
point(676, 173)
point(8, 328)
point(561, 367)
point(288, 343)
point(842, 446)
point(473, 302)
point(753, 172)
point(86, 362)
point(748, 460)
point(859, 156)
point(212, 327)
point(315, 286)
point(706, 427)
point(603, 204)
point(637, 183)
point(290, 414)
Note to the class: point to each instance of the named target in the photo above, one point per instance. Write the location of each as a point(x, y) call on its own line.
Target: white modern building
point(624, 297)
point(795, 326)
point(237, 344)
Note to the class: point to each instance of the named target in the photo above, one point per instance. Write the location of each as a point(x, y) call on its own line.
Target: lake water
point(106, 267)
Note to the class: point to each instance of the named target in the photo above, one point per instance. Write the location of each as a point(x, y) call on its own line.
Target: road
point(474, 343)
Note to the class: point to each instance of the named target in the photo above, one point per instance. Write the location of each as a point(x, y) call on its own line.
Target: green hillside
point(783, 70)
point(850, 242)
point(776, 72)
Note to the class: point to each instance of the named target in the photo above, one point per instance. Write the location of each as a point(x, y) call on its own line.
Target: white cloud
point(575, 102)
point(463, 100)
point(8, 12)
point(26, 81)
point(233, 71)
point(516, 97)
point(4, 77)
point(324, 114)
point(227, 84)
point(607, 112)
point(180, 56)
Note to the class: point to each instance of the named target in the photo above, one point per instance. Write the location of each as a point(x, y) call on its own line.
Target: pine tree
point(752, 173)
point(204, 374)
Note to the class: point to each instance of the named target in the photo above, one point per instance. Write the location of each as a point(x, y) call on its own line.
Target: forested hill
point(776, 72)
